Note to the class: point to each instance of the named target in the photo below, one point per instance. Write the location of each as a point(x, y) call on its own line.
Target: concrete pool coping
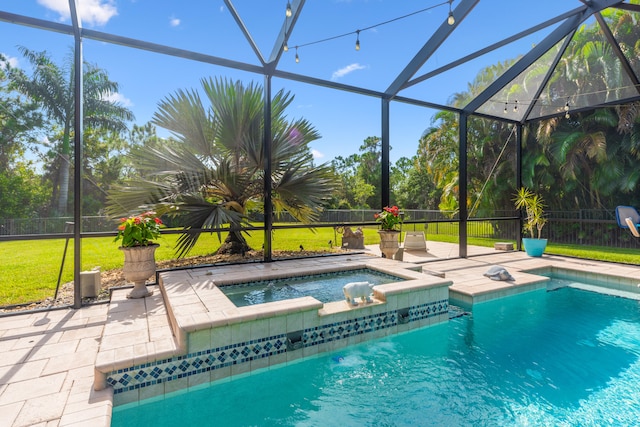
point(193, 302)
point(47, 359)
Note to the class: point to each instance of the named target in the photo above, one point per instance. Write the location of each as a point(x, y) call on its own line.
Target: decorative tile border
point(161, 371)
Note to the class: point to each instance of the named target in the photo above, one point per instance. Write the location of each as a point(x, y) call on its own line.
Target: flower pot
point(534, 247)
point(389, 242)
point(139, 265)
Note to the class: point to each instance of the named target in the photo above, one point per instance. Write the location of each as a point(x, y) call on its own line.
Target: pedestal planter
point(139, 265)
point(389, 242)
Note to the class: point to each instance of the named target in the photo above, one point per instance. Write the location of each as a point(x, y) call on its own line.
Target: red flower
point(139, 230)
point(389, 218)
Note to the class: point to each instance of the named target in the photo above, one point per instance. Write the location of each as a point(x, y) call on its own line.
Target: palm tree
point(212, 171)
point(52, 87)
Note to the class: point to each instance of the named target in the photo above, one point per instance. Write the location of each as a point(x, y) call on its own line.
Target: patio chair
point(628, 217)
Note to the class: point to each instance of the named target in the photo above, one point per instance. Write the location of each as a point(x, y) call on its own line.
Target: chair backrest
point(632, 227)
point(624, 212)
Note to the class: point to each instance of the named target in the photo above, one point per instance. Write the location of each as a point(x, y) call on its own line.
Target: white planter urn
point(389, 242)
point(139, 265)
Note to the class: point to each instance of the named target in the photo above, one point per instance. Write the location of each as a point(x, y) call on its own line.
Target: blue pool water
point(561, 358)
point(324, 287)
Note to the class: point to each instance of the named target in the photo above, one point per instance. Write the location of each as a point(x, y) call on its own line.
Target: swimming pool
point(325, 287)
point(567, 357)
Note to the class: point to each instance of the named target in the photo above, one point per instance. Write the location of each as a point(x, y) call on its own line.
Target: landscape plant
point(389, 219)
point(534, 206)
point(211, 172)
point(139, 230)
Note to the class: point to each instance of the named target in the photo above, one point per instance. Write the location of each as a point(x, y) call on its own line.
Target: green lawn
point(30, 271)
point(31, 268)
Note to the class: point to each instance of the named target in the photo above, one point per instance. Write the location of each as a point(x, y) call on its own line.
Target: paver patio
point(47, 359)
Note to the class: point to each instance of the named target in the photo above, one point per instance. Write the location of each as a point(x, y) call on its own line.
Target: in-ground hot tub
point(217, 339)
point(325, 287)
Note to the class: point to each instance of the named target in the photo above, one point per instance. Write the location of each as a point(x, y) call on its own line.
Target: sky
point(391, 33)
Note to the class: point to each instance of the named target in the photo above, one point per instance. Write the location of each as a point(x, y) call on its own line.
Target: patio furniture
point(415, 241)
point(628, 217)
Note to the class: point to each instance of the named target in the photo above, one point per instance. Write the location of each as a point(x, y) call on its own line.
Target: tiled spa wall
point(239, 348)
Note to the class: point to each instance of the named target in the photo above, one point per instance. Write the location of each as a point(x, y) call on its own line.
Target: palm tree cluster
point(52, 89)
point(210, 172)
point(577, 160)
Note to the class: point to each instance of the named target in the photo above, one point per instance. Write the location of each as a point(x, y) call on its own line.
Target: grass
point(31, 268)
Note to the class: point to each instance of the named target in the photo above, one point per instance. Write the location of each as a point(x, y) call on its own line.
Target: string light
point(285, 47)
point(297, 57)
point(515, 106)
point(566, 108)
point(451, 20)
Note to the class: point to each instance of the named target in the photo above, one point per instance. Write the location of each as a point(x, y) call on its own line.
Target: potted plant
point(138, 233)
point(534, 221)
point(390, 221)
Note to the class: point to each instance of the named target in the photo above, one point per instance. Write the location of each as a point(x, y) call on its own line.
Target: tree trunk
point(234, 244)
point(65, 166)
point(64, 185)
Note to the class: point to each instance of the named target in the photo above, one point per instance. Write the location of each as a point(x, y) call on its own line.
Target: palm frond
point(196, 213)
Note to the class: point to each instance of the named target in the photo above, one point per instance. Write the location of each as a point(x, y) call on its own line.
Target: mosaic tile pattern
point(366, 324)
point(160, 371)
point(194, 363)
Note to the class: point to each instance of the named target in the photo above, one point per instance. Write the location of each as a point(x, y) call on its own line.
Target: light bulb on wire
point(288, 11)
point(505, 108)
point(297, 57)
point(285, 47)
point(451, 20)
point(515, 106)
point(358, 40)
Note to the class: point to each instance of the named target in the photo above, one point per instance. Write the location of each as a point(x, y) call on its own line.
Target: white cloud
point(13, 61)
point(92, 12)
point(316, 154)
point(119, 98)
point(174, 22)
point(346, 70)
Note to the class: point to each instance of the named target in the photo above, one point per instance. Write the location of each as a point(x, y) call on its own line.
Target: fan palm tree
point(212, 171)
point(52, 87)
